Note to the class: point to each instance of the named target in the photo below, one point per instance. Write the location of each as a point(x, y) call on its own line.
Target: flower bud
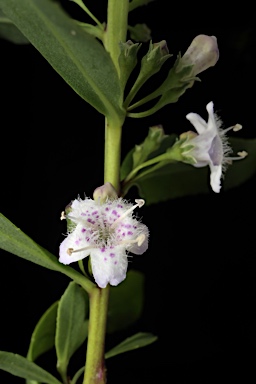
point(202, 53)
point(105, 192)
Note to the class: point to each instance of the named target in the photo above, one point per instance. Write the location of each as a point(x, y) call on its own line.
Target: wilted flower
point(202, 53)
point(105, 231)
point(209, 146)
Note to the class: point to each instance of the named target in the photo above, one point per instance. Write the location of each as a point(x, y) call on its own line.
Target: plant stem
point(95, 372)
point(113, 133)
point(95, 367)
point(116, 28)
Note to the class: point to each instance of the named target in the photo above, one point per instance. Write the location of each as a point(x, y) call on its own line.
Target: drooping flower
point(107, 232)
point(210, 145)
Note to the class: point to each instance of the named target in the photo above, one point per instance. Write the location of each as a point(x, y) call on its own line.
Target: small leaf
point(172, 180)
point(126, 302)
point(140, 32)
point(10, 32)
point(19, 366)
point(136, 341)
point(78, 57)
point(72, 326)
point(43, 337)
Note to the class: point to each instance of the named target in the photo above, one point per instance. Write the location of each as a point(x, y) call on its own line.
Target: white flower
point(210, 146)
point(105, 231)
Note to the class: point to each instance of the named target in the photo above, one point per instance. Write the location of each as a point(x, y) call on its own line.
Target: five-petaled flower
point(209, 146)
point(107, 232)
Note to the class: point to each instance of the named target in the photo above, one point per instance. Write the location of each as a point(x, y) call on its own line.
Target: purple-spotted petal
point(109, 266)
point(76, 239)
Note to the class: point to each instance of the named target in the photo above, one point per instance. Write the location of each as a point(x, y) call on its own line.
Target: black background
point(200, 268)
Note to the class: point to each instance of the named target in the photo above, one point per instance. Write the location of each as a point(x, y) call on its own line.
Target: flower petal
point(212, 119)
point(198, 122)
point(74, 240)
point(216, 172)
point(109, 265)
point(136, 248)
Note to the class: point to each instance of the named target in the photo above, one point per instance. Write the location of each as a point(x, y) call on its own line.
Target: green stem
point(116, 28)
point(95, 366)
point(155, 160)
point(113, 133)
point(95, 363)
point(84, 8)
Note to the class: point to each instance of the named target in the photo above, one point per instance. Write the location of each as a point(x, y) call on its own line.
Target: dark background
point(200, 268)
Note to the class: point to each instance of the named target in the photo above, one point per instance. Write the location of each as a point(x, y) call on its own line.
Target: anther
point(62, 215)
point(139, 203)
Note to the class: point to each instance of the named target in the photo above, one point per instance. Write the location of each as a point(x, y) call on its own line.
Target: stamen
point(62, 215)
point(241, 155)
point(235, 128)
point(139, 203)
point(139, 240)
point(72, 250)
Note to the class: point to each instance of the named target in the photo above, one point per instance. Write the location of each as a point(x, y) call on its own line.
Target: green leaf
point(19, 366)
point(138, 3)
point(140, 32)
point(171, 180)
point(13, 240)
point(72, 325)
point(43, 337)
point(126, 302)
point(136, 341)
point(9, 32)
point(78, 57)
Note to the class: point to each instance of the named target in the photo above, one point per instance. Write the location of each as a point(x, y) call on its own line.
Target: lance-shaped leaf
point(13, 240)
point(136, 341)
point(72, 325)
point(10, 32)
point(166, 180)
point(43, 336)
point(126, 302)
point(19, 366)
point(78, 57)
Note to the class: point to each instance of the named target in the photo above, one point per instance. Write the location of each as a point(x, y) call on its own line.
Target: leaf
point(78, 57)
point(126, 302)
point(72, 326)
point(13, 240)
point(43, 337)
point(169, 181)
point(19, 366)
point(9, 32)
point(136, 341)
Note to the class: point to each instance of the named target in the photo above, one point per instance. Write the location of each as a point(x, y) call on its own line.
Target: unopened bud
point(105, 192)
point(202, 53)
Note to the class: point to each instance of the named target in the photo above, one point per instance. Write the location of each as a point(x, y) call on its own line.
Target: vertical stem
point(95, 364)
point(116, 28)
point(113, 133)
point(95, 367)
